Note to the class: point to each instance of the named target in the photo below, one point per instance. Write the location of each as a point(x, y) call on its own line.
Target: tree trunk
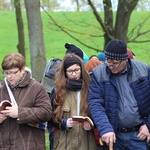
point(125, 8)
point(37, 49)
point(108, 20)
point(19, 21)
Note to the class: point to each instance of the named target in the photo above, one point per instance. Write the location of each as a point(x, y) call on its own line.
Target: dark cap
point(116, 49)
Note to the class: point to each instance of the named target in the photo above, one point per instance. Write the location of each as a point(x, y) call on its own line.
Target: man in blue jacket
point(119, 99)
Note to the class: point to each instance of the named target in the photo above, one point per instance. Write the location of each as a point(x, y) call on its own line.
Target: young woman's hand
point(86, 125)
point(71, 123)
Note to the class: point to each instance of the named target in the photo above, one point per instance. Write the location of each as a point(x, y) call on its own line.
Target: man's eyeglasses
point(110, 62)
point(6, 73)
point(76, 71)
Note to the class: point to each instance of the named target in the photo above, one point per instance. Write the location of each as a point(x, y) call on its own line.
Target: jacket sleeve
point(36, 107)
point(62, 125)
point(97, 106)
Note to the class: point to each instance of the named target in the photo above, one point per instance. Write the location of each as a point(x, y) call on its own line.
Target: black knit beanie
point(116, 49)
point(74, 49)
point(71, 60)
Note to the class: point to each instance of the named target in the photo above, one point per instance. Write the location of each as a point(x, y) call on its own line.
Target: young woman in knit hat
point(71, 99)
point(119, 99)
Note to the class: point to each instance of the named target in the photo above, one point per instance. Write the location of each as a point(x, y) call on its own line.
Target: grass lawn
point(47, 140)
point(55, 39)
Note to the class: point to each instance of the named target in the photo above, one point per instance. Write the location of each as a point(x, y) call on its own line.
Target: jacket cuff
point(63, 124)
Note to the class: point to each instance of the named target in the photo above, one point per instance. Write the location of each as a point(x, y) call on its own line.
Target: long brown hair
point(61, 90)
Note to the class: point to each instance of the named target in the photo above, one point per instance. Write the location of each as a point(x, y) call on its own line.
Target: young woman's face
point(14, 75)
point(74, 72)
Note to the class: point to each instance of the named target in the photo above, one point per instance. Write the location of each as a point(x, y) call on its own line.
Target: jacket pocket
point(66, 113)
point(5, 139)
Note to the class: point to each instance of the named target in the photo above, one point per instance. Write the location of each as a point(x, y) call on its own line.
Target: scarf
point(74, 85)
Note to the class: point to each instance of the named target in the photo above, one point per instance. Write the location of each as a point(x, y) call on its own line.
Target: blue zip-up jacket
point(104, 97)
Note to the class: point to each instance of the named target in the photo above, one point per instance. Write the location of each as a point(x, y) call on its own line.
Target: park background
point(82, 21)
point(55, 39)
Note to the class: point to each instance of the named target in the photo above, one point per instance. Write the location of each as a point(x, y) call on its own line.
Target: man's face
point(116, 66)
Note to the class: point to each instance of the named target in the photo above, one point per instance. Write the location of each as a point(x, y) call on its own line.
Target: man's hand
point(148, 138)
point(109, 138)
point(143, 133)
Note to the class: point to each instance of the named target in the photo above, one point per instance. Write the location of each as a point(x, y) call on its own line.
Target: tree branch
point(137, 29)
point(98, 18)
point(68, 33)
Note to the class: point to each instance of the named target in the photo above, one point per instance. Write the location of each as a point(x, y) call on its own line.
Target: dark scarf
point(74, 85)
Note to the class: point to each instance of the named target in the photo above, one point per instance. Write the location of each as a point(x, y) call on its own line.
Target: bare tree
point(37, 49)
point(20, 26)
point(110, 26)
point(124, 10)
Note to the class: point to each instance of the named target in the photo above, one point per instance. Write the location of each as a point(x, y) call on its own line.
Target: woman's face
point(14, 75)
point(74, 72)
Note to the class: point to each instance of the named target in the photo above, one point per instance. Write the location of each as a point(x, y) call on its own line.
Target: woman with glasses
point(29, 107)
point(71, 99)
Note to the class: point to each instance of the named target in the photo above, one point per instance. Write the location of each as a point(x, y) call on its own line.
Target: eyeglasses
point(76, 71)
point(110, 62)
point(10, 72)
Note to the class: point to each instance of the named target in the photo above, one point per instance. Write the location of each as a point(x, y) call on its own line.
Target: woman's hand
point(11, 111)
point(86, 125)
point(71, 123)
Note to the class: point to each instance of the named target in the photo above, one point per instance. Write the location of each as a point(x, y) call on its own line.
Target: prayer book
point(81, 119)
point(4, 104)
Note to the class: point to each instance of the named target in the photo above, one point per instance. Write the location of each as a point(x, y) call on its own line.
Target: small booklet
point(81, 119)
point(4, 104)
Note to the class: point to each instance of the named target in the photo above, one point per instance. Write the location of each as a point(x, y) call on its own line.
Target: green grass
point(55, 39)
point(47, 140)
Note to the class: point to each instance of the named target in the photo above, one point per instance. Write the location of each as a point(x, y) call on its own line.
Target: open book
point(81, 119)
point(4, 104)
